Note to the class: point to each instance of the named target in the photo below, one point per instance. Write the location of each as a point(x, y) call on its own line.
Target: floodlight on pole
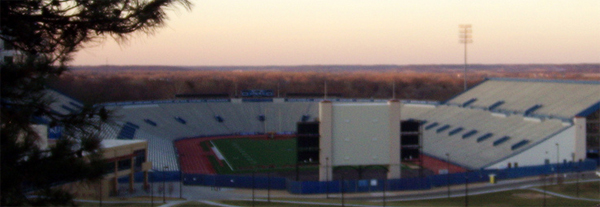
point(465, 36)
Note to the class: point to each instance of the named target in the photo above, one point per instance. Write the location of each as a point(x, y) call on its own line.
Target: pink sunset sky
point(349, 32)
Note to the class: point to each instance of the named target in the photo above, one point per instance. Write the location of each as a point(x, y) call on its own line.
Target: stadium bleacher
point(496, 119)
point(504, 115)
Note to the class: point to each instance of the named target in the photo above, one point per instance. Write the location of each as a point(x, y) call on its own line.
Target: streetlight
point(342, 189)
point(544, 177)
point(578, 171)
point(269, 184)
point(180, 183)
point(544, 180)
point(466, 38)
point(467, 189)
point(557, 162)
point(164, 178)
point(252, 187)
point(448, 173)
point(151, 188)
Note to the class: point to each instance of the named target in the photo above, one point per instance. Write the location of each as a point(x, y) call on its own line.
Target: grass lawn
point(501, 199)
point(194, 204)
point(247, 154)
point(128, 201)
point(586, 190)
point(86, 204)
point(504, 199)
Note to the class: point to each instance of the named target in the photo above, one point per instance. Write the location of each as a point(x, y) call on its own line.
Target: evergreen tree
point(48, 33)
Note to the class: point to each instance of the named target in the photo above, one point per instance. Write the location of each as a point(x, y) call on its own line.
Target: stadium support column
point(580, 138)
point(394, 115)
point(325, 140)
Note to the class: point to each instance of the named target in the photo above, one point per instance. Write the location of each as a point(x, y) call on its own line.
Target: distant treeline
point(134, 83)
point(442, 68)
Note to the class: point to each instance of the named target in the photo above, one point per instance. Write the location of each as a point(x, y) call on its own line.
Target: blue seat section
point(148, 121)
point(305, 118)
point(469, 102)
point(128, 131)
point(532, 109)
point(484, 137)
point(468, 134)
point(68, 108)
point(501, 140)
point(434, 124)
point(457, 130)
point(219, 119)
point(519, 144)
point(180, 120)
point(495, 105)
point(443, 128)
point(79, 106)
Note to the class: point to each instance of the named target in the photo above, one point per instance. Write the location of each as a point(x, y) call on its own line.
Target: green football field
point(255, 154)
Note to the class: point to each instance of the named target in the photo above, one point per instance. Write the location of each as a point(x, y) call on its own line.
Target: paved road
point(209, 194)
point(477, 188)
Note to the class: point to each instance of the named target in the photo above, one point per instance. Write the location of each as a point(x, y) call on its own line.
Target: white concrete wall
point(361, 134)
point(545, 150)
point(325, 141)
point(580, 138)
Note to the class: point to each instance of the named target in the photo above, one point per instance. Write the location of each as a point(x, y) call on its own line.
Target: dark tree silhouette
point(48, 33)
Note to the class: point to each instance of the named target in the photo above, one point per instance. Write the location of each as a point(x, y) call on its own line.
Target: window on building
point(124, 164)
point(109, 167)
point(140, 157)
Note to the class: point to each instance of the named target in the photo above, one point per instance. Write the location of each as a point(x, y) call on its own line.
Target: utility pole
point(465, 38)
point(448, 173)
point(557, 163)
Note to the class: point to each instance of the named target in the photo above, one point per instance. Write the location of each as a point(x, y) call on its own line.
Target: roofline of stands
point(523, 80)
point(66, 95)
point(544, 80)
point(127, 103)
point(463, 92)
point(589, 110)
point(527, 147)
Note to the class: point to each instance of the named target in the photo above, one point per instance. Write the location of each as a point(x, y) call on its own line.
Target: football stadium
point(498, 129)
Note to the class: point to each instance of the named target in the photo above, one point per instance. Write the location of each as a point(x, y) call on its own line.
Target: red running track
point(436, 165)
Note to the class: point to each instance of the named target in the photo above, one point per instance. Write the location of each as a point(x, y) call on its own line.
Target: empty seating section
point(469, 134)
point(161, 124)
point(464, 124)
point(469, 102)
point(455, 131)
point(519, 144)
point(160, 152)
point(484, 137)
point(128, 131)
point(469, 116)
point(495, 105)
point(61, 103)
point(69, 109)
point(562, 99)
point(443, 128)
point(501, 140)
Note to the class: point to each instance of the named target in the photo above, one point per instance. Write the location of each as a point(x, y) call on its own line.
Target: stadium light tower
point(465, 38)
